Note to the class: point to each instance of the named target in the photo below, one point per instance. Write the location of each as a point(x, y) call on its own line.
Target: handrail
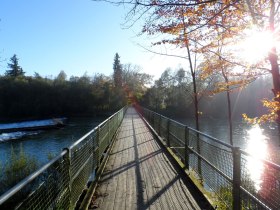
point(224, 170)
point(271, 164)
point(30, 178)
point(83, 138)
point(93, 130)
point(211, 137)
point(199, 132)
point(73, 166)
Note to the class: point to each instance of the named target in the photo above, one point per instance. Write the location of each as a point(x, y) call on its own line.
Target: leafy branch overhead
point(204, 26)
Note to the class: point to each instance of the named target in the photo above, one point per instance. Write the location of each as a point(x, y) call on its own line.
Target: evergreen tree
point(117, 67)
point(14, 68)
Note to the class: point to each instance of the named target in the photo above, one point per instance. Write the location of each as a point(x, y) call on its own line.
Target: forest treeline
point(172, 95)
point(37, 97)
point(33, 97)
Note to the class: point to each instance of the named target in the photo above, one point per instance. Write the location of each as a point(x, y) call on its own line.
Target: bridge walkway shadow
point(139, 175)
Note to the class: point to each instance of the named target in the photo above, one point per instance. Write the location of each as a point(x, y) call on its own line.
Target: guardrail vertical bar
point(168, 131)
point(236, 178)
point(187, 155)
point(109, 134)
point(159, 125)
point(199, 161)
point(98, 146)
point(153, 120)
point(67, 159)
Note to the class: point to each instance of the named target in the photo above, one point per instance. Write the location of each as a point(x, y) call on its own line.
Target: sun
point(256, 46)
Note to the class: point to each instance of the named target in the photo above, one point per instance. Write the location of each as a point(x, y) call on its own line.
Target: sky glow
point(74, 36)
point(257, 45)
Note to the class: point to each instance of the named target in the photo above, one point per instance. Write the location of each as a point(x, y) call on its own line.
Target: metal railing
point(60, 183)
point(224, 170)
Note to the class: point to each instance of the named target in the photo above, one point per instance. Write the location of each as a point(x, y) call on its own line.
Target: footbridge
point(143, 160)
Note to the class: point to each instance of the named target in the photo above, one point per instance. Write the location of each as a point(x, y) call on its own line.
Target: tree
point(134, 81)
point(14, 69)
point(205, 19)
point(62, 76)
point(117, 67)
point(176, 23)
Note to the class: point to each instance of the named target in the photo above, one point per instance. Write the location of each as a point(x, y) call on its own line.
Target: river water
point(260, 141)
point(250, 138)
point(43, 144)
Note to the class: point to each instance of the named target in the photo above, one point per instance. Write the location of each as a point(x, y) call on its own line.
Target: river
point(258, 140)
point(43, 144)
point(262, 142)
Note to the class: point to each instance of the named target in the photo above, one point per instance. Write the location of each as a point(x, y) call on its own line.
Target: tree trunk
point(229, 117)
point(195, 104)
point(276, 82)
point(272, 57)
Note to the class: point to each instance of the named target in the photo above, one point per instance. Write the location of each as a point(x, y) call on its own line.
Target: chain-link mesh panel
point(177, 138)
point(164, 127)
point(49, 190)
point(214, 165)
point(60, 185)
point(82, 165)
point(212, 160)
point(80, 180)
point(103, 139)
point(261, 183)
point(156, 118)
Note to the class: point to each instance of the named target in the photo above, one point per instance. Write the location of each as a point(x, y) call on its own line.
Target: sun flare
point(257, 147)
point(256, 46)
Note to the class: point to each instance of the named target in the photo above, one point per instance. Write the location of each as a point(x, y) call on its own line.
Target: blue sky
point(76, 36)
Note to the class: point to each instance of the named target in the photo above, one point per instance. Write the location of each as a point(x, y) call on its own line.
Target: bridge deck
point(139, 175)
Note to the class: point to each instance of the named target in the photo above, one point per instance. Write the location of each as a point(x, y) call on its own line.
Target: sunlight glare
point(256, 46)
point(257, 147)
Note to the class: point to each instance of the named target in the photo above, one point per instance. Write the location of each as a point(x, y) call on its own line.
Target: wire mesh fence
point(235, 178)
point(60, 183)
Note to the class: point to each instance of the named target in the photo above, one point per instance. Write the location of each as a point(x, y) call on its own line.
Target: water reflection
point(258, 148)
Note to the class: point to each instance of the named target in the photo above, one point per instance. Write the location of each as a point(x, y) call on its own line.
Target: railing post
point(67, 159)
point(236, 178)
point(199, 152)
point(159, 125)
point(109, 135)
point(168, 131)
point(98, 146)
point(187, 154)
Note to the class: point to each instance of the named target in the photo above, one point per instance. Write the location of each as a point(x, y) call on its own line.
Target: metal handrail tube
point(271, 164)
point(211, 137)
point(235, 166)
point(30, 178)
point(83, 138)
point(93, 130)
point(181, 124)
point(199, 132)
point(179, 140)
point(118, 116)
point(254, 198)
point(218, 170)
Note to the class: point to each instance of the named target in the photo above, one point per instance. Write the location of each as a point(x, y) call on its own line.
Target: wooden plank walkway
point(139, 175)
